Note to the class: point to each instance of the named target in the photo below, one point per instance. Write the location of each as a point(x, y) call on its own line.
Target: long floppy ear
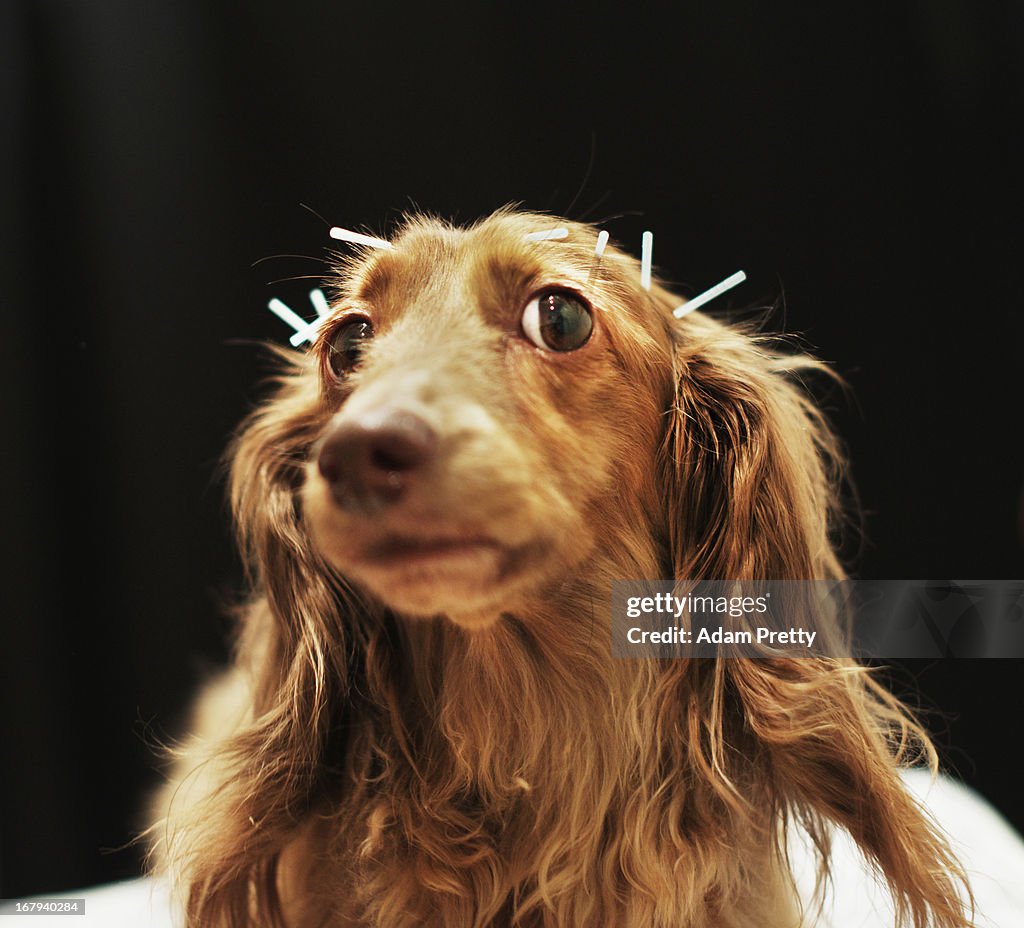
point(751, 466)
point(293, 660)
point(750, 473)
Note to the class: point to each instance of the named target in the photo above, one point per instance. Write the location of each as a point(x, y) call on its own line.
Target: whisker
point(273, 257)
point(597, 203)
point(613, 216)
point(586, 175)
point(282, 280)
point(315, 213)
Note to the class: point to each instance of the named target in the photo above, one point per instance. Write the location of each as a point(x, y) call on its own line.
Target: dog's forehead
point(430, 255)
point(440, 274)
point(506, 251)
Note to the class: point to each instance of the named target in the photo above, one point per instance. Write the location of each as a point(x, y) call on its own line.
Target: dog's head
point(484, 412)
point(495, 404)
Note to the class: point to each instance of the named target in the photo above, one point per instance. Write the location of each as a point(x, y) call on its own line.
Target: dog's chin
point(463, 584)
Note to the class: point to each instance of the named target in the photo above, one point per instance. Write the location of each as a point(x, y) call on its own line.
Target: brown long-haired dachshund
point(424, 724)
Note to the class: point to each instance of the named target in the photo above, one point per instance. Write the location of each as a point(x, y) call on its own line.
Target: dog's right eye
point(346, 345)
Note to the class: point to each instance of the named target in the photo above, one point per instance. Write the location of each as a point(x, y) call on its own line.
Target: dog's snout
point(370, 462)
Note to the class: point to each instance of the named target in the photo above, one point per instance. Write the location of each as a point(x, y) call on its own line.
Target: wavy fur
point(363, 765)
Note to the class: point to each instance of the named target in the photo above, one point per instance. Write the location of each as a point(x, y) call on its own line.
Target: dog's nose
point(370, 462)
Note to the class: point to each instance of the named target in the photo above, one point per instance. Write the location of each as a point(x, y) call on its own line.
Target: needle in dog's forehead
point(305, 331)
point(358, 238)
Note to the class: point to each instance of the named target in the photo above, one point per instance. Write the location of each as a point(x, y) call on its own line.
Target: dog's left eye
point(346, 345)
point(557, 321)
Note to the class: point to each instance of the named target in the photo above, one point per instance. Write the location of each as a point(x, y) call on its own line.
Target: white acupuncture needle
point(717, 290)
point(646, 253)
point(285, 314)
point(546, 236)
point(357, 238)
point(323, 310)
point(304, 331)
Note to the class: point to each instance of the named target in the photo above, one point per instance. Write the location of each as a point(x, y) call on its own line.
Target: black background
point(858, 160)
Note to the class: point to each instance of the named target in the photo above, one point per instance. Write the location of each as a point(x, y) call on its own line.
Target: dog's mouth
point(423, 561)
point(463, 575)
point(402, 550)
point(425, 575)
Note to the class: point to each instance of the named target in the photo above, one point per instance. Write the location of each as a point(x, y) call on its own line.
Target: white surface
point(990, 850)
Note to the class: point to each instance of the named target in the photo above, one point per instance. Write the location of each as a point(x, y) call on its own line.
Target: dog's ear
point(749, 466)
point(750, 472)
point(295, 646)
point(267, 463)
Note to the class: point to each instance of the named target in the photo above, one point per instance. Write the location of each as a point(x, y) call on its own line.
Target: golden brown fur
point(401, 745)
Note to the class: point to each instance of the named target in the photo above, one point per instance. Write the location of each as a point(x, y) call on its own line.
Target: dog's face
point(489, 397)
